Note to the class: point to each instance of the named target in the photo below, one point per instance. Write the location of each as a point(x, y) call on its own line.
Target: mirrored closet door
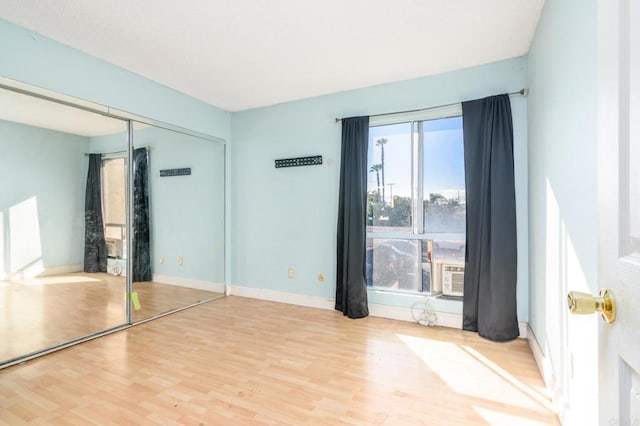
point(63, 236)
point(104, 221)
point(177, 220)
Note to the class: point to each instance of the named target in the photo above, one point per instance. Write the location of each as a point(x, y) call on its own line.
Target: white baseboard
point(401, 313)
point(58, 270)
point(443, 319)
point(282, 297)
point(39, 271)
point(538, 355)
point(548, 376)
point(188, 282)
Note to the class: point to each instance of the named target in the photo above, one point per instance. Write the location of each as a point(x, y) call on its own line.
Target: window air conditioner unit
point(114, 248)
point(452, 280)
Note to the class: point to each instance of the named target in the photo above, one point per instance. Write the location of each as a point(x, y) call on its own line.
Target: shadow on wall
point(569, 343)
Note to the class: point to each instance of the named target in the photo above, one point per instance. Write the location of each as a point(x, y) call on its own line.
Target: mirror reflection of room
point(49, 294)
point(178, 220)
point(66, 222)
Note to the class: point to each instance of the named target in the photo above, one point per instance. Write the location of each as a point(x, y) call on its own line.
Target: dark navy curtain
point(141, 257)
point(351, 286)
point(95, 247)
point(489, 305)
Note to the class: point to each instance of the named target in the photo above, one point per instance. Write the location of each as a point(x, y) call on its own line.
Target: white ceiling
point(241, 54)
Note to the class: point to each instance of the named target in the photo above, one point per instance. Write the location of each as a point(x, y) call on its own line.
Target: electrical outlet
point(291, 273)
point(180, 260)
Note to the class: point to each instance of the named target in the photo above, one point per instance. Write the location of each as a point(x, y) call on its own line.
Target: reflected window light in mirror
point(24, 236)
point(114, 197)
point(45, 296)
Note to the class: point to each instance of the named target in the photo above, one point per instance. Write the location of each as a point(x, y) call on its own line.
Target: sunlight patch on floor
point(509, 378)
point(496, 418)
point(474, 375)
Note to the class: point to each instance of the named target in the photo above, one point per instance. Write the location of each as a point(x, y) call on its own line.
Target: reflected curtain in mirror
point(490, 277)
point(141, 233)
point(95, 247)
point(351, 285)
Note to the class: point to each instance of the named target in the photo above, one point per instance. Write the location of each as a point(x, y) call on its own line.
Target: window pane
point(389, 198)
point(444, 187)
point(114, 195)
point(398, 264)
point(448, 251)
point(114, 190)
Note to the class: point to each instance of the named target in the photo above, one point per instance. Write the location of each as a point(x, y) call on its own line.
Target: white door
point(619, 209)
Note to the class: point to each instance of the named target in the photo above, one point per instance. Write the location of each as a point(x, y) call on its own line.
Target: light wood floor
point(38, 313)
point(241, 361)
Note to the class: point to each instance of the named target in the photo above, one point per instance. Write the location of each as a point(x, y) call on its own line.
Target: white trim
point(524, 329)
point(546, 371)
point(38, 271)
point(188, 282)
point(538, 355)
point(443, 319)
point(400, 313)
point(391, 312)
point(58, 270)
point(403, 313)
point(282, 297)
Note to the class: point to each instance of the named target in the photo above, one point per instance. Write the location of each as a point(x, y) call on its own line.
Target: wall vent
point(175, 172)
point(314, 160)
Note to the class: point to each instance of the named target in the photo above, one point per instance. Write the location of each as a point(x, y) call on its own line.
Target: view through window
point(114, 193)
point(416, 206)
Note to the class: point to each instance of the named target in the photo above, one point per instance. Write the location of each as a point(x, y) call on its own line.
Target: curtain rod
point(114, 152)
point(521, 92)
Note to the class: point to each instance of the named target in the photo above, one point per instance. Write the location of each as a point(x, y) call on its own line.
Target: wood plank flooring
point(42, 312)
point(241, 361)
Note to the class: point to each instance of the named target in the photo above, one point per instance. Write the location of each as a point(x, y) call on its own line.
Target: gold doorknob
point(585, 303)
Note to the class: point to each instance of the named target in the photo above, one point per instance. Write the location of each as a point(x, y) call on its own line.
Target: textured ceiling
point(243, 54)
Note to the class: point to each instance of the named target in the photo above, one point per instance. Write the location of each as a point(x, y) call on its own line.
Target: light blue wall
point(287, 217)
point(186, 212)
point(562, 123)
point(280, 218)
point(47, 169)
point(31, 58)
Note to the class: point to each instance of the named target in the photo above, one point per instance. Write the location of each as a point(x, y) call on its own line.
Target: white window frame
point(417, 163)
point(122, 226)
